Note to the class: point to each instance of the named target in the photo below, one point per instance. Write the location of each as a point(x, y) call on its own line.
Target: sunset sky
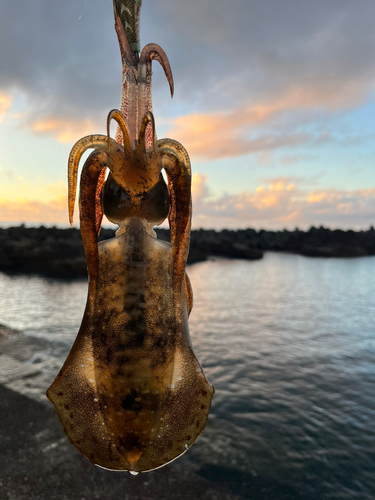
point(274, 101)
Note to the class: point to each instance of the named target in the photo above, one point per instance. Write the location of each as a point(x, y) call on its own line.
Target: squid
point(131, 394)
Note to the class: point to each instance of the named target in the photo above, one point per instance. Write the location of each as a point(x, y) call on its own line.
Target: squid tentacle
point(108, 154)
point(151, 52)
point(101, 157)
point(130, 59)
point(91, 141)
point(148, 119)
point(97, 141)
point(125, 48)
point(116, 115)
point(129, 99)
point(176, 164)
point(92, 172)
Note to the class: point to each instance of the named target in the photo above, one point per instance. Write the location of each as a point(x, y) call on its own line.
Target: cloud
point(295, 54)
point(280, 202)
point(285, 202)
point(262, 127)
point(38, 201)
point(254, 48)
point(210, 137)
point(292, 159)
point(59, 63)
point(55, 211)
point(5, 103)
point(199, 188)
point(66, 131)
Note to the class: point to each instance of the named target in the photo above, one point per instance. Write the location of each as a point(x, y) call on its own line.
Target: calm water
point(289, 344)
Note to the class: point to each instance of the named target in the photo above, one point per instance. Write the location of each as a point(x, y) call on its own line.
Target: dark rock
point(37, 462)
point(59, 253)
point(6, 331)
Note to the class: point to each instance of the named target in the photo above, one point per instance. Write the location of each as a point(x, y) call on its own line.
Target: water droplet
point(133, 472)
point(186, 447)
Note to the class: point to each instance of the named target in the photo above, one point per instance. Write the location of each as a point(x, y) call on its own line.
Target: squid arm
point(122, 133)
point(151, 52)
point(127, 27)
point(92, 177)
point(176, 164)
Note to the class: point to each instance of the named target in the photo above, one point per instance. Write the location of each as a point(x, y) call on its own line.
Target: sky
point(274, 101)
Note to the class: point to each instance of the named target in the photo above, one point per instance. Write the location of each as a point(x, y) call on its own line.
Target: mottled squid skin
point(131, 395)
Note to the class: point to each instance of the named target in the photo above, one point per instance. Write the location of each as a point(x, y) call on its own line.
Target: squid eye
point(117, 203)
point(156, 203)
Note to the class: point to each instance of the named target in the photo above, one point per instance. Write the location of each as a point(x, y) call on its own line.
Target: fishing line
point(84, 7)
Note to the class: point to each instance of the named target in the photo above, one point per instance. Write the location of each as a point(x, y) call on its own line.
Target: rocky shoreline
point(59, 253)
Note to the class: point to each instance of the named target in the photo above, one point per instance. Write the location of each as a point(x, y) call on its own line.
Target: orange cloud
point(67, 131)
point(5, 103)
point(281, 203)
point(276, 203)
point(54, 211)
point(199, 189)
point(209, 136)
point(219, 135)
point(22, 201)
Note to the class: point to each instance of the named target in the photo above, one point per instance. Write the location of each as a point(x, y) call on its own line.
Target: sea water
point(289, 344)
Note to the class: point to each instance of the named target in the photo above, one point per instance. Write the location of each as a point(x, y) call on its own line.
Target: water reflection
point(289, 344)
point(42, 307)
